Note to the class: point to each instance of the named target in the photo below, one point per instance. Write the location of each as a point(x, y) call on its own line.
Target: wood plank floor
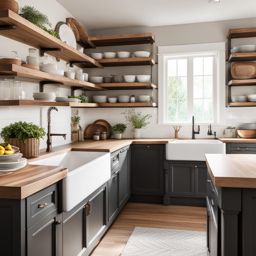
point(149, 215)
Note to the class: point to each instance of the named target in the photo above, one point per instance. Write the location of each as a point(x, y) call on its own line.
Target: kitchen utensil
point(252, 97)
point(97, 55)
point(109, 55)
point(244, 48)
point(9, 5)
point(243, 70)
point(124, 98)
point(30, 66)
point(117, 79)
point(241, 98)
point(246, 134)
point(10, 61)
point(96, 79)
point(66, 34)
point(144, 98)
point(142, 54)
point(143, 78)
point(13, 165)
point(45, 96)
point(112, 99)
point(92, 128)
point(129, 78)
point(99, 98)
point(107, 79)
point(106, 124)
point(123, 54)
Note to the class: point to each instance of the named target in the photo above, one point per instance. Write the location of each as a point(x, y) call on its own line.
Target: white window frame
point(167, 52)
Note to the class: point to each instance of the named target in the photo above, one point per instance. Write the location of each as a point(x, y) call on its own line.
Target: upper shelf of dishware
point(13, 26)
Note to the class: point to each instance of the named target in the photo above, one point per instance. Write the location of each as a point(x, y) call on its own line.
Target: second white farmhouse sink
point(193, 150)
point(87, 171)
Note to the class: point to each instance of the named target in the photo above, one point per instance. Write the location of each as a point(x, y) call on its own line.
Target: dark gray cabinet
point(147, 166)
point(185, 182)
point(241, 148)
point(113, 196)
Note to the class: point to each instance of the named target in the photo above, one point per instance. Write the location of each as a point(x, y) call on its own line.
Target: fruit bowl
point(9, 153)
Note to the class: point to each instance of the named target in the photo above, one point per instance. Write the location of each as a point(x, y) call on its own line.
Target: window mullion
point(190, 87)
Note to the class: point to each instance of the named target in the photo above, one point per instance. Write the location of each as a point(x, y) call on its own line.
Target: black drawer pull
point(41, 206)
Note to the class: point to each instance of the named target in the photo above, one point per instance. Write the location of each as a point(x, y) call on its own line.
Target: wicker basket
point(29, 147)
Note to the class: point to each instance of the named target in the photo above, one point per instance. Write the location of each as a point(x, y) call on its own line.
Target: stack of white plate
point(44, 96)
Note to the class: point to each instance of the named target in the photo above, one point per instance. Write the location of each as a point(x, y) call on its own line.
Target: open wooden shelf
point(126, 62)
point(75, 104)
point(242, 56)
point(128, 105)
point(128, 39)
point(242, 104)
point(17, 28)
point(36, 75)
point(245, 82)
point(127, 86)
point(242, 32)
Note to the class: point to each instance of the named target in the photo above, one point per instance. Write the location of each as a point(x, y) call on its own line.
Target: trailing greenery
point(22, 131)
point(31, 14)
point(83, 98)
point(137, 119)
point(118, 128)
point(75, 119)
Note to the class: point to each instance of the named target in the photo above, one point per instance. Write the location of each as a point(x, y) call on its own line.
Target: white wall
point(176, 35)
point(37, 115)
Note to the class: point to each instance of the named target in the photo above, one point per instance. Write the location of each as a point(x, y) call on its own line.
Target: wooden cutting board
point(106, 124)
point(91, 129)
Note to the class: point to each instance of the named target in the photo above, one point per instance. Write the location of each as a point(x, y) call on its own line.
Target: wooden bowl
point(247, 134)
point(243, 70)
point(9, 5)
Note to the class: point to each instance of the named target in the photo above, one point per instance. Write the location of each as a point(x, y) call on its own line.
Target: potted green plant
point(138, 120)
point(118, 130)
point(24, 135)
point(75, 120)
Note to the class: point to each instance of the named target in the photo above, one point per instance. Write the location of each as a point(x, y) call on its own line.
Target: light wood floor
point(149, 215)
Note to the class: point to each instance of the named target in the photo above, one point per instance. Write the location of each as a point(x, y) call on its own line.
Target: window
point(189, 86)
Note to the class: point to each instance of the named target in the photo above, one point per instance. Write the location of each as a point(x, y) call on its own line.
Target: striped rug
point(165, 242)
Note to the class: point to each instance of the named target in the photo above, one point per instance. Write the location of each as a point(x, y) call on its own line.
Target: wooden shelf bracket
point(7, 27)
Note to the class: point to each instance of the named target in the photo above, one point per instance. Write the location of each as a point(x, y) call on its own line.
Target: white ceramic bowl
point(143, 78)
point(112, 100)
point(124, 98)
point(246, 48)
point(109, 55)
point(123, 54)
point(97, 55)
point(47, 96)
point(96, 79)
point(252, 97)
point(241, 98)
point(129, 78)
point(142, 54)
point(144, 98)
point(99, 98)
point(70, 74)
point(49, 68)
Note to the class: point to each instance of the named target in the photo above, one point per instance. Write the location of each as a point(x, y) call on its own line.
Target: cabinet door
point(112, 197)
point(200, 180)
point(74, 231)
point(42, 239)
point(96, 217)
point(147, 169)
point(124, 178)
point(241, 148)
point(181, 180)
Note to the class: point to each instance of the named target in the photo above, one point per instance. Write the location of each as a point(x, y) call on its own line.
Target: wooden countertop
point(233, 171)
point(29, 180)
point(237, 140)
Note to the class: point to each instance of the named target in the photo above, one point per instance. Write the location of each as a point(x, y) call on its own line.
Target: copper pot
point(9, 5)
point(247, 134)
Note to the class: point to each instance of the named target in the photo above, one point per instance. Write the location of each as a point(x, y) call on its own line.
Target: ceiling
point(96, 14)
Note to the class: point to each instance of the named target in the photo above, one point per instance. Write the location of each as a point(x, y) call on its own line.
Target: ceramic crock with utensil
point(229, 132)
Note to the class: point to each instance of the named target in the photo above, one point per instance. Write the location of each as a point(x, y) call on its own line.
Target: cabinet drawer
point(241, 148)
point(42, 205)
point(117, 159)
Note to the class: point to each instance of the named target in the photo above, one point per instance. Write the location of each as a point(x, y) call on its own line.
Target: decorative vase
point(118, 136)
point(75, 127)
point(29, 147)
point(137, 133)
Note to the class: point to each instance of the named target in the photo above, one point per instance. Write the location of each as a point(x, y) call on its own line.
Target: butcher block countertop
point(29, 180)
point(237, 140)
point(233, 171)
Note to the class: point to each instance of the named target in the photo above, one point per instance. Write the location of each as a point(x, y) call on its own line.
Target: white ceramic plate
point(67, 35)
point(13, 166)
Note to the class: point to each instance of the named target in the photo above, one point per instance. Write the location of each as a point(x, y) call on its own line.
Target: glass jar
point(18, 93)
point(103, 135)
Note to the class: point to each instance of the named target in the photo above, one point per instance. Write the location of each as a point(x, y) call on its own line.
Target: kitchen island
point(231, 205)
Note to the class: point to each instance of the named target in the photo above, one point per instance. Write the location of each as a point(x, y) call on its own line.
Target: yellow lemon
point(2, 148)
point(8, 147)
point(8, 152)
point(2, 152)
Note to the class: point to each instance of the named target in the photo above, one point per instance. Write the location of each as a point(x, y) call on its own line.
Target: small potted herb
point(137, 121)
point(24, 135)
point(75, 123)
point(118, 130)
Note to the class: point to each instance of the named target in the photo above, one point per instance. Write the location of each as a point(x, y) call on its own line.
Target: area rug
point(165, 242)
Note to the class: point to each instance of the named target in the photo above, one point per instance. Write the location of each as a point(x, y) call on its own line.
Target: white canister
point(86, 77)
point(137, 133)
